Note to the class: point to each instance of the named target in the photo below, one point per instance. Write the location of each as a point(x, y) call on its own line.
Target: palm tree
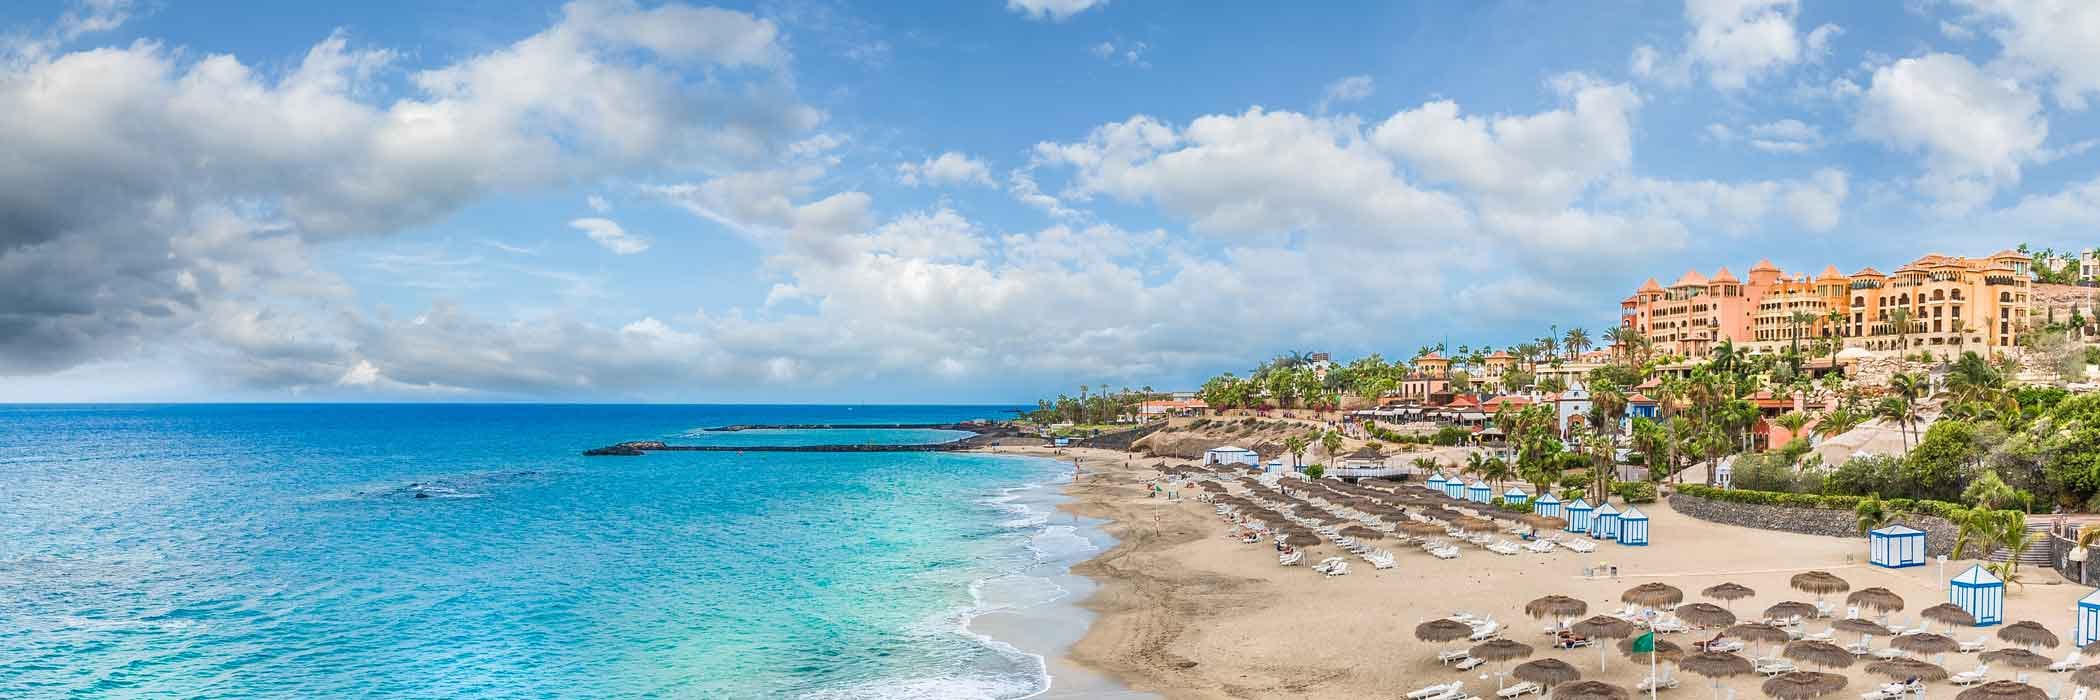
point(1871, 514)
point(1576, 341)
point(1427, 465)
point(1900, 317)
point(1615, 337)
point(1799, 319)
point(1793, 421)
point(1836, 320)
point(1900, 412)
point(1296, 445)
point(1332, 443)
point(1908, 389)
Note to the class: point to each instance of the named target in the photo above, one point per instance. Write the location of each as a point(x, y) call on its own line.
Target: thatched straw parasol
point(1653, 595)
point(1789, 609)
point(1705, 615)
point(1470, 524)
point(1877, 599)
point(2003, 690)
point(1861, 627)
point(1758, 632)
point(1819, 583)
point(1821, 654)
point(1500, 650)
point(1590, 690)
point(1419, 528)
point(1603, 627)
point(2017, 658)
point(1558, 607)
point(1362, 533)
point(1801, 685)
point(1546, 672)
point(2088, 677)
point(1949, 613)
point(1903, 669)
point(2028, 633)
point(1442, 630)
point(1545, 522)
point(1925, 643)
point(1728, 592)
point(1716, 665)
point(1665, 650)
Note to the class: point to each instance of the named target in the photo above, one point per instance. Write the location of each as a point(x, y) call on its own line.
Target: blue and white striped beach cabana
point(1455, 488)
point(1478, 492)
point(1633, 527)
point(1578, 514)
point(1515, 497)
point(1896, 546)
point(1980, 594)
point(1436, 482)
point(1604, 524)
point(1546, 505)
point(2088, 619)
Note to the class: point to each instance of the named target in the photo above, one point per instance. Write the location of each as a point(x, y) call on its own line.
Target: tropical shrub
point(1635, 491)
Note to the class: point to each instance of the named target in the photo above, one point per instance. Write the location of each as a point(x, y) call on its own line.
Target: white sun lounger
point(1539, 546)
point(1774, 667)
point(1468, 663)
point(1982, 672)
point(1449, 655)
point(1518, 690)
point(2070, 662)
point(1972, 646)
point(1430, 691)
point(1580, 545)
point(1664, 682)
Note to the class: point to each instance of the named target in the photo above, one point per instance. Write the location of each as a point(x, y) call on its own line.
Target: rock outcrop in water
point(626, 449)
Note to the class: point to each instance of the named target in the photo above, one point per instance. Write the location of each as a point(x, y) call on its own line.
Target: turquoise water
point(468, 551)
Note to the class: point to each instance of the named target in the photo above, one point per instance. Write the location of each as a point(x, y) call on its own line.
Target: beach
point(1184, 612)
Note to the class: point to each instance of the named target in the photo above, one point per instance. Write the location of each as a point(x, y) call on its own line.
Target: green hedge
point(1634, 491)
point(1809, 500)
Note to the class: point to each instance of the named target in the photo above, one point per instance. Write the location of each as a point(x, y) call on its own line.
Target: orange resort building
point(1950, 303)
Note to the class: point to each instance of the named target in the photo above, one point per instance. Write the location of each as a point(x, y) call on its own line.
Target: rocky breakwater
point(982, 435)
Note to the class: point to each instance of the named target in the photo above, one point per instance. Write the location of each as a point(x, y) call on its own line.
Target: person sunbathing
point(1709, 644)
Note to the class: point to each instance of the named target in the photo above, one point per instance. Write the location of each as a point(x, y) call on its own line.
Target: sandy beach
point(1187, 613)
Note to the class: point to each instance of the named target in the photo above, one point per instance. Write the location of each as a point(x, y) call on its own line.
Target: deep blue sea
point(282, 551)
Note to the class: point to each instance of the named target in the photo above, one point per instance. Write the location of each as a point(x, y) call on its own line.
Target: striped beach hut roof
point(1978, 576)
point(1632, 513)
point(1897, 530)
point(1478, 484)
point(1547, 498)
point(1514, 491)
point(1606, 509)
point(1579, 504)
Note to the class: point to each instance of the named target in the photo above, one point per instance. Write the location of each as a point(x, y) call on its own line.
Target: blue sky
point(987, 201)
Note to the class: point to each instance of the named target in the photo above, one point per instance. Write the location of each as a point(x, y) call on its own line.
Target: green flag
point(1644, 643)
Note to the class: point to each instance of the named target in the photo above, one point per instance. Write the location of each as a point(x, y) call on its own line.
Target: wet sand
point(1186, 613)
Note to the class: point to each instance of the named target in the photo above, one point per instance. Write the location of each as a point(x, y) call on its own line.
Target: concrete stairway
point(2037, 552)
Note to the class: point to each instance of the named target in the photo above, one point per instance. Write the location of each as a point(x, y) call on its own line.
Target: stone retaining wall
point(1939, 534)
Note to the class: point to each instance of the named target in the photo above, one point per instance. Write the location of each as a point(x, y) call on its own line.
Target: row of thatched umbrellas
point(1788, 686)
point(1564, 678)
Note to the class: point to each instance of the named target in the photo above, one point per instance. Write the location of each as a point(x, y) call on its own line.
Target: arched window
point(1939, 295)
point(1956, 295)
point(2005, 296)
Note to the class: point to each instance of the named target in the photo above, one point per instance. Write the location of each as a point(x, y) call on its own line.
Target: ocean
point(469, 551)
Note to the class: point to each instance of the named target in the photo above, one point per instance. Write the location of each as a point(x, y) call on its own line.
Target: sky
point(971, 201)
